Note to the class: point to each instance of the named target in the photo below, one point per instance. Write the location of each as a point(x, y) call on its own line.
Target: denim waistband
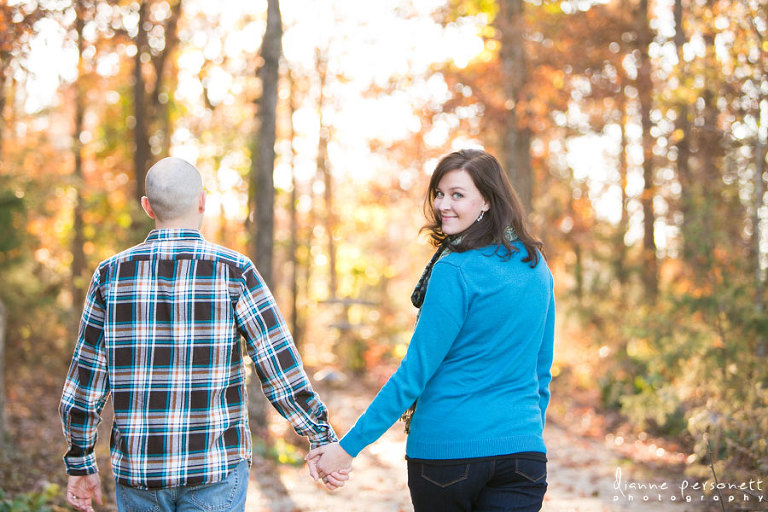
point(537, 456)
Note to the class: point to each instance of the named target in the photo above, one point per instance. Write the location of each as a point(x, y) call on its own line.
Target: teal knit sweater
point(478, 362)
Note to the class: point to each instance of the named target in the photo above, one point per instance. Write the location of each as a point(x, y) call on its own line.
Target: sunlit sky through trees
point(635, 132)
point(368, 45)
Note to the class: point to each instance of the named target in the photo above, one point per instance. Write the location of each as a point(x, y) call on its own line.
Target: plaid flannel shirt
point(161, 331)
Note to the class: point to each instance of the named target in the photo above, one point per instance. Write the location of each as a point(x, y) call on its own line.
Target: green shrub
point(30, 502)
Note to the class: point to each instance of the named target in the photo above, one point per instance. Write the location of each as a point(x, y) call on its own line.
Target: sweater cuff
point(352, 444)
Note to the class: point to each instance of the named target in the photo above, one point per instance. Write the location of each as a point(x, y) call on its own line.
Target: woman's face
point(458, 202)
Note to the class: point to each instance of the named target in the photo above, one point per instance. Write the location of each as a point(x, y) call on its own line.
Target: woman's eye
point(438, 195)
point(456, 195)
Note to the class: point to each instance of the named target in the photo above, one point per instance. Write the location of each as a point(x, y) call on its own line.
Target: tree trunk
point(78, 239)
point(2, 110)
point(759, 306)
point(645, 91)
point(688, 188)
point(262, 166)
point(160, 110)
point(324, 170)
point(307, 275)
point(620, 262)
point(683, 127)
point(517, 135)
point(3, 422)
point(140, 131)
point(759, 191)
point(294, 244)
point(710, 149)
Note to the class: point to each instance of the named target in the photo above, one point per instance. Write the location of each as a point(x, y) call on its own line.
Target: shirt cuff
point(79, 466)
point(327, 437)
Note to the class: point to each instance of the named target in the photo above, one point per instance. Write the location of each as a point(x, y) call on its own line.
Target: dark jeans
point(507, 483)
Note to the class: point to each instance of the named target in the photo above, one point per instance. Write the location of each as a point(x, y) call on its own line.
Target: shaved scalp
point(173, 187)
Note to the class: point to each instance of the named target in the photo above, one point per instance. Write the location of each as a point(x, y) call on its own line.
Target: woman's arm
point(544, 363)
point(442, 315)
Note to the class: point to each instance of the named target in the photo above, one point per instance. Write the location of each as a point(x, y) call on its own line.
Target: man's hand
point(81, 489)
point(331, 463)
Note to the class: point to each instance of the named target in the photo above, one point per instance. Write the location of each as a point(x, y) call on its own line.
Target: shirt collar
point(157, 235)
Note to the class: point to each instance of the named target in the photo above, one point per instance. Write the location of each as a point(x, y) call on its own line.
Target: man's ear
point(201, 204)
point(147, 207)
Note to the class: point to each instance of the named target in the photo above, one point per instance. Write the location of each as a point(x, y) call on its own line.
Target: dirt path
point(582, 476)
point(582, 465)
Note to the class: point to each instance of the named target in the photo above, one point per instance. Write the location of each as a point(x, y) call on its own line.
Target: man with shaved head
point(161, 331)
point(174, 189)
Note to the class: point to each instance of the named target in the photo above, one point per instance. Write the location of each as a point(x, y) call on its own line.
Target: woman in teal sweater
point(477, 371)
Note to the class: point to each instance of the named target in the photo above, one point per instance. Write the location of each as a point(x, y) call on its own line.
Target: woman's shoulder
point(495, 255)
point(473, 259)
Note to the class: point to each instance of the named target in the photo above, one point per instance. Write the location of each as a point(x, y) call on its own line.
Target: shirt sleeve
point(440, 320)
point(277, 361)
point(87, 386)
point(544, 363)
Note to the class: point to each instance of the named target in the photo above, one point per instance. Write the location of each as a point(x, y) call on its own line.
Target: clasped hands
point(331, 463)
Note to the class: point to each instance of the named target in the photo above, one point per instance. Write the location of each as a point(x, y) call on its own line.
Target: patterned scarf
point(417, 297)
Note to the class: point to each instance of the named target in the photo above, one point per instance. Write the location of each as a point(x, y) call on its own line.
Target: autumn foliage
point(642, 127)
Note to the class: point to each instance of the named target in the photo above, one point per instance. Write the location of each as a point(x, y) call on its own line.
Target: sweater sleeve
point(442, 315)
point(544, 363)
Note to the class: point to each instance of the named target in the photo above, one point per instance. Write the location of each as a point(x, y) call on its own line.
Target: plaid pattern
point(161, 331)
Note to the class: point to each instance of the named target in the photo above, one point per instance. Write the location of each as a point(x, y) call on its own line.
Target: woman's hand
point(331, 463)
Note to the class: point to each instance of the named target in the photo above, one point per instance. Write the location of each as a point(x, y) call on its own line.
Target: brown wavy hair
point(505, 208)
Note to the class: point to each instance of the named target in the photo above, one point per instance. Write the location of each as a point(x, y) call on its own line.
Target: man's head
point(175, 197)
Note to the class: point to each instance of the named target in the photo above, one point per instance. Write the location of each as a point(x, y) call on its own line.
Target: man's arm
point(87, 386)
point(277, 361)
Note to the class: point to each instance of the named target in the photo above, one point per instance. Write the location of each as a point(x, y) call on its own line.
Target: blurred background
point(634, 131)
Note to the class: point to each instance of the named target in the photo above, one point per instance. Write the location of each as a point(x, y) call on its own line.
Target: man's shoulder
point(124, 255)
point(199, 249)
point(227, 255)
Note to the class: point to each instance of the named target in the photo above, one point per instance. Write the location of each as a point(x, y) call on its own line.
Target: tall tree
point(16, 27)
point(150, 111)
point(3, 422)
point(263, 162)
point(141, 156)
point(709, 187)
point(620, 256)
point(682, 140)
point(759, 188)
point(759, 104)
point(262, 176)
point(644, 85)
point(517, 134)
point(159, 98)
point(292, 208)
point(78, 238)
point(324, 169)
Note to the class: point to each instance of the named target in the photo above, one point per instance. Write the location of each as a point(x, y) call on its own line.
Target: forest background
point(634, 131)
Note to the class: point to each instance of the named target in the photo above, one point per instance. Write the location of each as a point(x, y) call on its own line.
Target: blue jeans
point(507, 483)
point(227, 495)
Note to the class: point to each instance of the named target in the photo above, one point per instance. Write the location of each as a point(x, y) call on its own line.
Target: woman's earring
point(482, 212)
